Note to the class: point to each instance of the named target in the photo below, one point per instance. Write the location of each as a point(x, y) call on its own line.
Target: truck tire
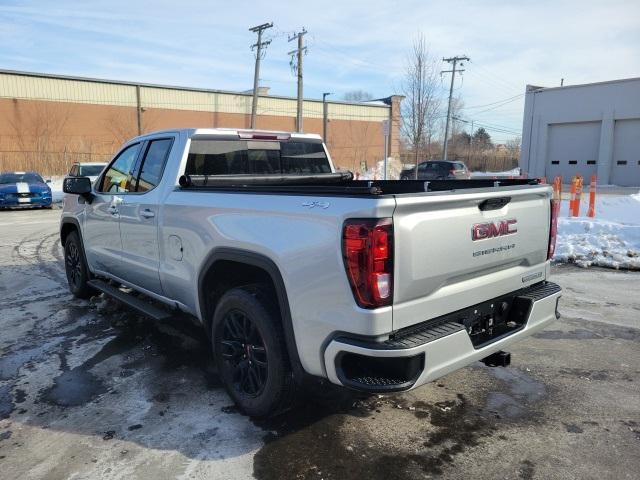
point(250, 351)
point(76, 267)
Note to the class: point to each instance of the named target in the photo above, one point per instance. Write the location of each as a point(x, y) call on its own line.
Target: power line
point(493, 103)
point(499, 126)
point(259, 45)
point(488, 126)
point(496, 107)
point(496, 78)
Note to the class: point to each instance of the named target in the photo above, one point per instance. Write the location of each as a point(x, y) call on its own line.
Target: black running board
point(132, 301)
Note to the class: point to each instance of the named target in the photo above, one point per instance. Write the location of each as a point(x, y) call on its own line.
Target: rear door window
point(152, 165)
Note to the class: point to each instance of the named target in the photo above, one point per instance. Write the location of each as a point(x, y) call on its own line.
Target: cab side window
point(153, 164)
point(116, 177)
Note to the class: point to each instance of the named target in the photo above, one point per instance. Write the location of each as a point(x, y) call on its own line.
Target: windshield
point(90, 170)
point(236, 157)
point(20, 177)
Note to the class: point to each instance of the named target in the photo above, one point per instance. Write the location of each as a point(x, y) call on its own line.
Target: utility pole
point(298, 68)
point(325, 116)
point(259, 45)
point(471, 145)
point(454, 61)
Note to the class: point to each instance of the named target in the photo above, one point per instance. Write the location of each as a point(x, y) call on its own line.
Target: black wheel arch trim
point(73, 221)
point(265, 263)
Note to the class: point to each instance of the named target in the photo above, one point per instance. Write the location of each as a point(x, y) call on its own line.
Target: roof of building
point(536, 89)
point(375, 103)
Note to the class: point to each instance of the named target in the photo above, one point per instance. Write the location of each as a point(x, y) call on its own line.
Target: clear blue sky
point(352, 45)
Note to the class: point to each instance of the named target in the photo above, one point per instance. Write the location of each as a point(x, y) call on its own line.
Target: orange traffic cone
point(572, 200)
point(592, 197)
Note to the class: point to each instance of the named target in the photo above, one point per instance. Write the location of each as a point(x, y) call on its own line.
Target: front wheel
point(76, 267)
point(250, 351)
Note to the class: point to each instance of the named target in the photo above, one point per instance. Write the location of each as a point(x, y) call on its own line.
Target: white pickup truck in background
point(294, 269)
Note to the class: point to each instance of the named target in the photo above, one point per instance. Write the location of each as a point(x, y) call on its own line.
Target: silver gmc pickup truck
point(294, 269)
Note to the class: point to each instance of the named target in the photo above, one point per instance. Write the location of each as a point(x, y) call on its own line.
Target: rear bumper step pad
point(433, 329)
point(424, 352)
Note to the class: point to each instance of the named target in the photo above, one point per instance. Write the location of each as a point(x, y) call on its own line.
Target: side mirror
point(78, 186)
point(48, 180)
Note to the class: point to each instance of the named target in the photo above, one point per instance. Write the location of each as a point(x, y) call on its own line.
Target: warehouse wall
point(47, 122)
point(584, 129)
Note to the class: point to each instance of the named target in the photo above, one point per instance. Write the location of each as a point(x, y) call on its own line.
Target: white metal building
point(583, 129)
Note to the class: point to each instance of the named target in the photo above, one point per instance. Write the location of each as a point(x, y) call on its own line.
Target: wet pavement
point(90, 390)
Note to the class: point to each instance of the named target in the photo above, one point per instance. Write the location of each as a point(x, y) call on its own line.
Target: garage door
point(573, 150)
point(625, 168)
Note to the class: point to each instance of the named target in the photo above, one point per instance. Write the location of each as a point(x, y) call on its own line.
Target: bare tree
point(421, 106)
point(38, 128)
point(121, 124)
point(357, 96)
point(361, 141)
point(513, 147)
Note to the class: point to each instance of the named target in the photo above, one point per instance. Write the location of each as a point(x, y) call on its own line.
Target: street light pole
point(325, 116)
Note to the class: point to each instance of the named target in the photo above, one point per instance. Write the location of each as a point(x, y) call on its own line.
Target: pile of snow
point(377, 173)
point(57, 195)
point(509, 173)
point(611, 239)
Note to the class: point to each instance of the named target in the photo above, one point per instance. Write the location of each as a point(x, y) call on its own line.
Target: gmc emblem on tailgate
point(480, 231)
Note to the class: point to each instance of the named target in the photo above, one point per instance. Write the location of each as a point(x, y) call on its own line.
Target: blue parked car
point(24, 189)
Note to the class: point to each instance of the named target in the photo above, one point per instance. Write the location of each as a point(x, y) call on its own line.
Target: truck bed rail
point(336, 184)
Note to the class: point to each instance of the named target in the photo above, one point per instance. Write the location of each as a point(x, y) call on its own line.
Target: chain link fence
point(46, 163)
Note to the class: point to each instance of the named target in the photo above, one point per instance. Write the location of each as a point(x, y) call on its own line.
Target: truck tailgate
point(441, 268)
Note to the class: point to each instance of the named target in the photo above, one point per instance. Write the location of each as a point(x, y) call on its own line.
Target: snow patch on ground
point(611, 239)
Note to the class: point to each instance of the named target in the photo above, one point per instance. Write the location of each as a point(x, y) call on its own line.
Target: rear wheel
point(76, 267)
point(250, 351)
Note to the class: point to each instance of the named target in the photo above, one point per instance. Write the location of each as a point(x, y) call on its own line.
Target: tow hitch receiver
point(498, 359)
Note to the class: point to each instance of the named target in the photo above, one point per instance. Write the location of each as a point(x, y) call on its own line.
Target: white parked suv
point(294, 269)
point(87, 169)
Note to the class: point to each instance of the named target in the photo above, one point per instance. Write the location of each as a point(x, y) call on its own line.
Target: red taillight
point(553, 228)
point(367, 248)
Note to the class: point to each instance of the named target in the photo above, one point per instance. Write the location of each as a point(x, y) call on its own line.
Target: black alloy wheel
point(244, 353)
point(75, 267)
point(73, 263)
point(250, 350)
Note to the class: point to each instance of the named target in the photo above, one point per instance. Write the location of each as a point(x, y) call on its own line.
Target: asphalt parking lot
point(90, 390)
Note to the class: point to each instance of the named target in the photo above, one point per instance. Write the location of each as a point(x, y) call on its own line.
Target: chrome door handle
point(146, 213)
point(113, 210)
